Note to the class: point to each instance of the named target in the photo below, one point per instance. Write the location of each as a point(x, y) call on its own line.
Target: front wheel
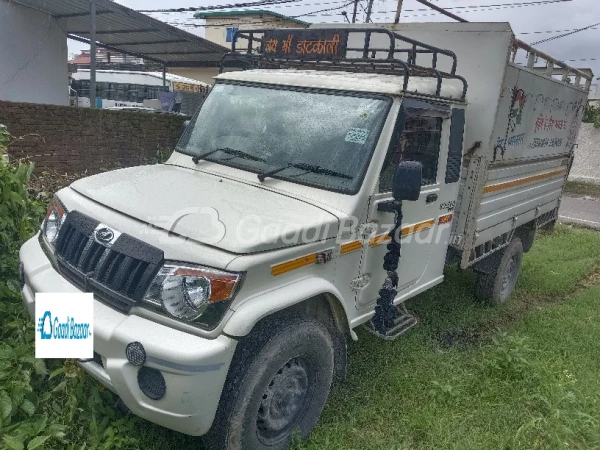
point(276, 387)
point(497, 283)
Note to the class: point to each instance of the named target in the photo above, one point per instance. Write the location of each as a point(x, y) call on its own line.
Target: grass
point(520, 376)
point(583, 188)
point(524, 375)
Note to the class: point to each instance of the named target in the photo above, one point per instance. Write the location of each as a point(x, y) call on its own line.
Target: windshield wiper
point(229, 151)
point(307, 167)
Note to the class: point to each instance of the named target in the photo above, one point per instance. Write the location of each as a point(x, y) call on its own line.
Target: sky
point(530, 23)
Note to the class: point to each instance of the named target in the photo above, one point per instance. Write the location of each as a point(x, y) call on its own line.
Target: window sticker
point(357, 135)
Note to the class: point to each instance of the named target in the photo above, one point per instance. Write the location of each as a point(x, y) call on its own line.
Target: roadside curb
point(569, 217)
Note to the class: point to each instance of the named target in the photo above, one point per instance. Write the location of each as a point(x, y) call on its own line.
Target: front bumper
point(194, 368)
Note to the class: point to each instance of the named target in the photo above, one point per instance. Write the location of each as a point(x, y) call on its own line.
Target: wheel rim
point(285, 401)
point(508, 280)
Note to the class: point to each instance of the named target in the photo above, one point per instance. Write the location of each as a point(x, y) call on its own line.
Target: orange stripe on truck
point(384, 238)
point(294, 264)
point(350, 247)
point(509, 184)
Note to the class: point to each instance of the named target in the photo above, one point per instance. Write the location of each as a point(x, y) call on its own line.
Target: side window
point(418, 140)
point(230, 32)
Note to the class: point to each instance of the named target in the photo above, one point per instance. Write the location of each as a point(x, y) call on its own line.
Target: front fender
point(255, 308)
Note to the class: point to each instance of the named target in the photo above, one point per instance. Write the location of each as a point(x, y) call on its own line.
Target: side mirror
point(407, 181)
point(184, 125)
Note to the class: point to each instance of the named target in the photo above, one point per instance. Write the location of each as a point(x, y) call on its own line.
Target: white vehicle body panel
point(209, 209)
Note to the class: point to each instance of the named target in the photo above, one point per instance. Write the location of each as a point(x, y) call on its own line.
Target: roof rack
point(553, 66)
point(328, 49)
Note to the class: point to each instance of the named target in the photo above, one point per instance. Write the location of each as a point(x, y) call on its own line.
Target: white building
point(33, 56)
point(221, 25)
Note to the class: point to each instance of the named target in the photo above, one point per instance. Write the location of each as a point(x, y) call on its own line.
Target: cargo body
point(522, 120)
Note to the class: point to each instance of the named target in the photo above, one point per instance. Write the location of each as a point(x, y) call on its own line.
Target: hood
point(227, 214)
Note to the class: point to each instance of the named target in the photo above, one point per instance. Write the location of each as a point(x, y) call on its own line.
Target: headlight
point(194, 294)
point(55, 217)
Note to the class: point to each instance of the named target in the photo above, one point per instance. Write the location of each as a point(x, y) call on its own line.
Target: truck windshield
point(289, 132)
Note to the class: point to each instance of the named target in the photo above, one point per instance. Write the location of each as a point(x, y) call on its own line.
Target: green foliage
point(507, 358)
point(161, 156)
point(591, 114)
point(43, 404)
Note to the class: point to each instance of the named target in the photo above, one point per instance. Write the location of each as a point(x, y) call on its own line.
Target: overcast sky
point(554, 17)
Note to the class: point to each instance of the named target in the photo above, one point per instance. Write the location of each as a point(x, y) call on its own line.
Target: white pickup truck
point(312, 193)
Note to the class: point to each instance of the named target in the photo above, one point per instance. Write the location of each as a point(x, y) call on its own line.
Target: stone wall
point(75, 140)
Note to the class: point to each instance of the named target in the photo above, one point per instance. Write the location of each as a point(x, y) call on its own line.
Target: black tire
point(276, 387)
point(497, 284)
point(527, 236)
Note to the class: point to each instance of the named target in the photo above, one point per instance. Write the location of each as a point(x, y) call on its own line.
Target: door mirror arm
point(390, 206)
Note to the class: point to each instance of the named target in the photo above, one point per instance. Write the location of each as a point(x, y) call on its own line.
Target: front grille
point(118, 275)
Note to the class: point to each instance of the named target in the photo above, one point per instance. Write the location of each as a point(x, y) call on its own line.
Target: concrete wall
point(74, 140)
point(586, 166)
point(33, 56)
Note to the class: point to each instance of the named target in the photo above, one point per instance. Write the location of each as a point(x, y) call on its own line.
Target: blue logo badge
point(65, 330)
point(45, 325)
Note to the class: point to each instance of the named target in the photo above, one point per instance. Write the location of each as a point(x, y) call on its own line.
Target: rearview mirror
point(407, 181)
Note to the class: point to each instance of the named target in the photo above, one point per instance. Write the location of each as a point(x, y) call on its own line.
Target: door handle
point(431, 198)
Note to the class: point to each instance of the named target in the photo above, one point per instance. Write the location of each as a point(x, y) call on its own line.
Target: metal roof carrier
point(328, 49)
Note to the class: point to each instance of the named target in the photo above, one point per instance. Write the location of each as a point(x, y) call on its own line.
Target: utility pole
point(369, 9)
point(442, 10)
point(92, 54)
point(398, 11)
point(354, 11)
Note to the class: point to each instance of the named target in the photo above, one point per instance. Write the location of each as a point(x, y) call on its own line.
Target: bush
point(591, 114)
point(43, 404)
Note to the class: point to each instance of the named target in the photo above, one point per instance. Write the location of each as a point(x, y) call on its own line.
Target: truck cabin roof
point(348, 81)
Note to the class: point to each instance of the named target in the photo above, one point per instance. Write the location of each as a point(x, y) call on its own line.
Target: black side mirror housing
point(407, 181)
point(184, 125)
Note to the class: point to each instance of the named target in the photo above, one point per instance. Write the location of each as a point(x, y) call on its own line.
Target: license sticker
point(357, 135)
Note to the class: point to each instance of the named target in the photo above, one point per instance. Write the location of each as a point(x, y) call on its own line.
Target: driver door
point(420, 135)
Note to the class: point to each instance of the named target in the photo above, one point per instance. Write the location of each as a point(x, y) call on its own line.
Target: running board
point(401, 325)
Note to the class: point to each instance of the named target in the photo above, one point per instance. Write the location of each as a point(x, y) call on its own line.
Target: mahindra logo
point(105, 235)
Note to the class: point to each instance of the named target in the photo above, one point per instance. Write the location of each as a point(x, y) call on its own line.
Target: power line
point(322, 10)
point(483, 9)
point(315, 13)
point(210, 8)
point(274, 19)
point(552, 31)
point(284, 4)
point(582, 59)
point(566, 34)
point(477, 8)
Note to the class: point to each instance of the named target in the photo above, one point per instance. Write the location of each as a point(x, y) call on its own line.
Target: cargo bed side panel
point(523, 176)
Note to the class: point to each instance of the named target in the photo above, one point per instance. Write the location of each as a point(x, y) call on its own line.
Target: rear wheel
point(527, 236)
point(497, 282)
point(276, 387)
